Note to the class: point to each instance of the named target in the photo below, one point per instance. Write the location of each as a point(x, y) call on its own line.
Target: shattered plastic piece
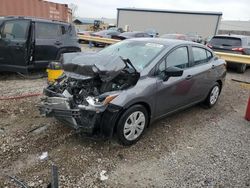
point(103, 175)
point(44, 156)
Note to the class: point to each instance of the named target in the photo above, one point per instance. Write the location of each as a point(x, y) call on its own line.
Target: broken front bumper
point(87, 121)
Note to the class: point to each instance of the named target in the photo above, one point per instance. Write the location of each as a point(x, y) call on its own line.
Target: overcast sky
point(231, 9)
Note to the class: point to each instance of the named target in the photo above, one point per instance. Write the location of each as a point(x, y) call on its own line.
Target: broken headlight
point(101, 101)
point(98, 104)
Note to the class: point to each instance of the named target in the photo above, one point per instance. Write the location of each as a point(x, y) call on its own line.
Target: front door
point(175, 92)
point(14, 55)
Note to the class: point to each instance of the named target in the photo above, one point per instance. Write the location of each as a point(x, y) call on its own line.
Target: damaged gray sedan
point(126, 86)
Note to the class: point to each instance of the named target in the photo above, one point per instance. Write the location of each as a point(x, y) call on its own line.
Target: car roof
point(133, 32)
point(232, 36)
point(33, 19)
point(167, 42)
point(107, 31)
point(174, 34)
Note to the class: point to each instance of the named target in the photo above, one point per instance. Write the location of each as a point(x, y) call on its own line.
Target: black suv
point(29, 43)
point(237, 44)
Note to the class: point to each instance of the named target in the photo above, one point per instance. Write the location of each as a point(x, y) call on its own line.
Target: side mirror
point(173, 72)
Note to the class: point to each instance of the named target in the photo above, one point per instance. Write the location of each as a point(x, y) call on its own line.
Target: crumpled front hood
point(90, 65)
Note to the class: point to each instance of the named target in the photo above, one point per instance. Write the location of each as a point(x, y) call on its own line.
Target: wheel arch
point(220, 84)
point(142, 103)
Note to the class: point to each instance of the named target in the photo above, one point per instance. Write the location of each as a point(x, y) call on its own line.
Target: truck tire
point(241, 68)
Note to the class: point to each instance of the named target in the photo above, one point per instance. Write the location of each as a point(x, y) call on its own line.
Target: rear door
point(203, 73)
point(14, 45)
point(48, 41)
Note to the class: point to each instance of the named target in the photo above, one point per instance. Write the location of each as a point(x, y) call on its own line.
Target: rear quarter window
point(226, 41)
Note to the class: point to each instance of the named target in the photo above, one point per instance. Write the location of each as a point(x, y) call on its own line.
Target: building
point(36, 8)
point(168, 21)
point(235, 27)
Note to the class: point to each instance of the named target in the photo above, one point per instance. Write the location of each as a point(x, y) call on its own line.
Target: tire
point(241, 68)
point(129, 133)
point(213, 96)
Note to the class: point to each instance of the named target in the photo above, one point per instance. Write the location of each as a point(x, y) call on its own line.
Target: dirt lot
point(193, 148)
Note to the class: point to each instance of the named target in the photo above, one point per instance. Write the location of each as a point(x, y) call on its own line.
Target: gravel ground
point(193, 148)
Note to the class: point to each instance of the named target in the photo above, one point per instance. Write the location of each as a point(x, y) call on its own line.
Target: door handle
point(58, 43)
point(189, 77)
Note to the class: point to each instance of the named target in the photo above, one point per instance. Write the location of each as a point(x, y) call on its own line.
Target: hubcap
point(214, 95)
point(134, 125)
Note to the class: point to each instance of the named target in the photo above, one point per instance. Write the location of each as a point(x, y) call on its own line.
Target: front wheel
point(213, 96)
point(132, 124)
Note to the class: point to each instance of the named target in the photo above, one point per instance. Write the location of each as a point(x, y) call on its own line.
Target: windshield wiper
point(128, 62)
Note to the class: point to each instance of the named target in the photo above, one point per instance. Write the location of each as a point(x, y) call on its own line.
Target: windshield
point(225, 41)
point(138, 52)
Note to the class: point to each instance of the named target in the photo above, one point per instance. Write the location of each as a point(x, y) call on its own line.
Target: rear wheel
point(132, 124)
point(213, 96)
point(241, 68)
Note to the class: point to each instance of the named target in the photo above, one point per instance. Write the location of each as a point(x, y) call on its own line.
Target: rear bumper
point(86, 121)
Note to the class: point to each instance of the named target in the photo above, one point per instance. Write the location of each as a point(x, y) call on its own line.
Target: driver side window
point(178, 58)
point(16, 29)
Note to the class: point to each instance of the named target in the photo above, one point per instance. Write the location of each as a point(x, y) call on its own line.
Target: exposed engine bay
point(84, 80)
point(90, 82)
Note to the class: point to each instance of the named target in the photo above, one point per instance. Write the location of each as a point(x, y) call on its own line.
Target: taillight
point(209, 46)
point(238, 49)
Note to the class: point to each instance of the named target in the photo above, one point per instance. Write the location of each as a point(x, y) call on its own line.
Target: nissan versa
point(123, 88)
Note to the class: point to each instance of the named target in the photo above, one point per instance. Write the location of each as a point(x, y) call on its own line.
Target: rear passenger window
point(225, 41)
point(178, 58)
point(48, 30)
point(201, 55)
